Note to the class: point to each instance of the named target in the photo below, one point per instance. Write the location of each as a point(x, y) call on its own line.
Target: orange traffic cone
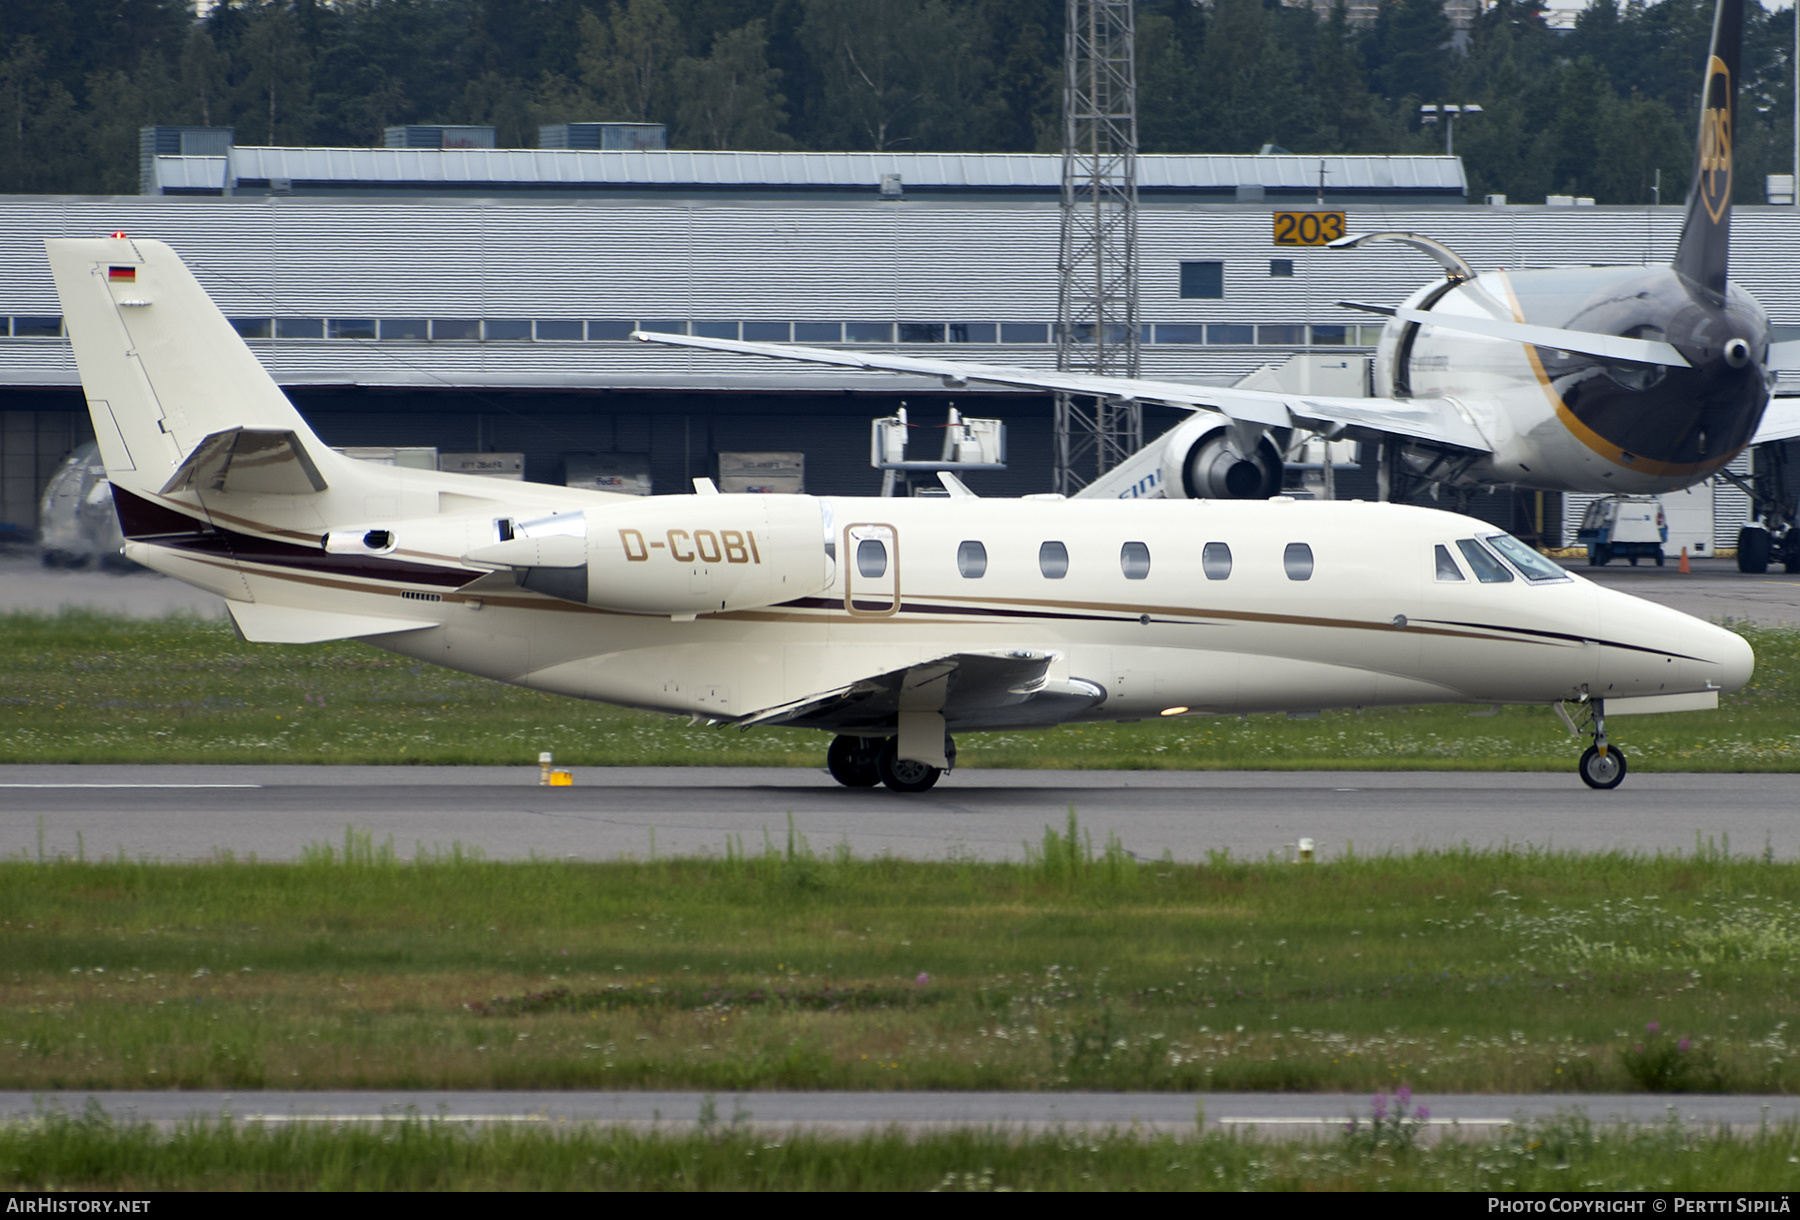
point(1684, 569)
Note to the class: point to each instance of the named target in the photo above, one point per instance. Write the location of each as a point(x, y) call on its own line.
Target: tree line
point(1598, 111)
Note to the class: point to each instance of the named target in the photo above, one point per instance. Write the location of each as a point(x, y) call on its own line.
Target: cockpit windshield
point(1533, 566)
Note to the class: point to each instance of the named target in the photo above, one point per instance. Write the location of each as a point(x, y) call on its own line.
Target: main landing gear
point(1602, 765)
point(863, 762)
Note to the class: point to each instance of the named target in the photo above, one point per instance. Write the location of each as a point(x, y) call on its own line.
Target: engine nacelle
point(1203, 460)
point(674, 555)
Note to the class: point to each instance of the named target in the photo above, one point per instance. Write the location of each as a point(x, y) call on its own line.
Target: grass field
point(1566, 1154)
point(85, 688)
point(783, 968)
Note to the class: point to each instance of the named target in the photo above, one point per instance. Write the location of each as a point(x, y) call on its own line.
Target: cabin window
point(1446, 566)
point(1215, 560)
point(971, 560)
point(1297, 561)
point(871, 558)
point(1535, 566)
point(1053, 560)
point(1488, 570)
point(1134, 560)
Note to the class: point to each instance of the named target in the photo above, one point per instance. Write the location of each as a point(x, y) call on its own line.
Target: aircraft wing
point(1424, 419)
point(970, 689)
point(1780, 421)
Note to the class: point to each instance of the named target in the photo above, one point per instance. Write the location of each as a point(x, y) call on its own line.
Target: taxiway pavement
point(193, 812)
point(853, 1113)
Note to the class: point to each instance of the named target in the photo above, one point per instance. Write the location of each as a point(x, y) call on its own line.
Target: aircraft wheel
point(852, 761)
point(1790, 551)
point(1601, 555)
point(1659, 557)
point(1598, 772)
point(1634, 560)
point(904, 775)
point(1753, 550)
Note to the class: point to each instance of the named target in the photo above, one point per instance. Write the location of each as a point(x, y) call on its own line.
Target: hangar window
point(1281, 336)
point(664, 326)
point(1191, 332)
point(971, 560)
point(506, 328)
point(1024, 332)
point(818, 332)
point(553, 329)
point(1134, 560)
point(1083, 332)
point(602, 329)
point(403, 328)
point(1205, 280)
point(285, 328)
point(1331, 336)
point(1297, 561)
point(871, 558)
point(1215, 560)
point(1446, 566)
point(1535, 566)
point(37, 328)
point(1053, 560)
point(768, 332)
point(972, 332)
point(456, 328)
point(1488, 570)
point(1282, 267)
point(868, 332)
point(716, 330)
point(249, 328)
point(350, 328)
point(1230, 335)
point(921, 332)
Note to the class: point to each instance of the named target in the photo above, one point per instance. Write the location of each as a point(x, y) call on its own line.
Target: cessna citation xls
point(1628, 379)
point(889, 622)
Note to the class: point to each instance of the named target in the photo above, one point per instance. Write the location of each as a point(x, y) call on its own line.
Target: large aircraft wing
point(1780, 421)
point(1425, 419)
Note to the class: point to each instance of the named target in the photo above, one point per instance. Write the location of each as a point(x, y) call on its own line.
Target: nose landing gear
point(1602, 765)
point(863, 762)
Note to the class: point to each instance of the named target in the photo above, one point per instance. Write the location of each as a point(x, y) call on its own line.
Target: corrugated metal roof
point(814, 170)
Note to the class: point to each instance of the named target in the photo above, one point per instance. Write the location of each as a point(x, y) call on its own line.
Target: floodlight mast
point(1097, 266)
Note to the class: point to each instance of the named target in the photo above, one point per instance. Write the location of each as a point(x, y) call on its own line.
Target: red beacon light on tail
point(118, 233)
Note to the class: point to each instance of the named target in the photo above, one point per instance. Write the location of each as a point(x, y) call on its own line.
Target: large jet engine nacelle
point(674, 555)
point(1207, 459)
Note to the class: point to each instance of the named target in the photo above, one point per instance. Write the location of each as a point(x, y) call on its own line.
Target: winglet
point(1702, 256)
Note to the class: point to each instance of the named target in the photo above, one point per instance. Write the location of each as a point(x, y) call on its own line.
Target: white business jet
point(891, 623)
point(1628, 379)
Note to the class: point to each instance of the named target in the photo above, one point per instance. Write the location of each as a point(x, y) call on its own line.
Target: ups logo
point(1715, 140)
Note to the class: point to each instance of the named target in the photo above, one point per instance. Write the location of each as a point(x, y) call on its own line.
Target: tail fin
point(162, 368)
point(1702, 258)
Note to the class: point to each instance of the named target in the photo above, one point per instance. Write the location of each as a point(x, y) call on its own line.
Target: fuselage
point(1205, 606)
point(1568, 421)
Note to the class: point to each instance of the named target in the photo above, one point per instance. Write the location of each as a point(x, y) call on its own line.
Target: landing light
point(1173, 711)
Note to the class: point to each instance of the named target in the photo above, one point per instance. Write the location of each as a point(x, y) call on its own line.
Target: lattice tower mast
point(1097, 301)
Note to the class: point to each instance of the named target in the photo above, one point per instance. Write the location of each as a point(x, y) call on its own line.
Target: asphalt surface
point(850, 1113)
point(190, 812)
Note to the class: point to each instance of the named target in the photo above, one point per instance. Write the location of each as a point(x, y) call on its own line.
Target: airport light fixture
point(1429, 113)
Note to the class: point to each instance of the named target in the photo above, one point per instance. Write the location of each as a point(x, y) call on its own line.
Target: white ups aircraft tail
point(890, 623)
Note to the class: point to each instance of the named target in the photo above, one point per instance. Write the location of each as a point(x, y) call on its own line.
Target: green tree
point(729, 99)
point(628, 60)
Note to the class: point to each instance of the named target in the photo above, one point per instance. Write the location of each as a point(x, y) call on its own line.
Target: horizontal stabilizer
point(1780, 421)
point(261, 623)
point(250, 461)
point(1590, 343)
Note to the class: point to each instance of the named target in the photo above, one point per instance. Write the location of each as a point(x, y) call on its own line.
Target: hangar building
point(478, 300)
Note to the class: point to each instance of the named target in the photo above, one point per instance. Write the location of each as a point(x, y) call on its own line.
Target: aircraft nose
point(1737, 660)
